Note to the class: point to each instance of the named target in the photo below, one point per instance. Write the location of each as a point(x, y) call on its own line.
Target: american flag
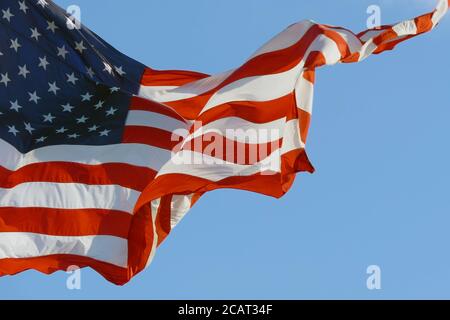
point(101, 156)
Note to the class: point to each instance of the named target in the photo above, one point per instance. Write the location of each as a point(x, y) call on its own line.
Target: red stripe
point(136, 178)
point(315, 59)
point(150, 136)
point(304, 120)
point(170, 77)
point(424, 23)
point(65, 222)
point(152, 106)
point(163, 226)
point(52, 263)
point(309, 75)
point(388, 35)
point(390, 45)
point(191, 107)
point(140, 240)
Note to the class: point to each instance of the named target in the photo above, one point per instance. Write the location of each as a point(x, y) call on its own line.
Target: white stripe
point(108, 249)
point(179, 206)
point(154, 207)
point(440, 12)
point(291, 138)
point(154, 91)
point(154, 120)
point(69, 196)
point(286, 38)
point(367, 49)
point(328, 48)
point(371, 34)
point(304, 94)
point(241, 130)
point(405, 28)
point(215, 169)
point(134, 154)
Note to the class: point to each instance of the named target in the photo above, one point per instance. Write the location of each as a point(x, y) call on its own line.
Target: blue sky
point(379, 142)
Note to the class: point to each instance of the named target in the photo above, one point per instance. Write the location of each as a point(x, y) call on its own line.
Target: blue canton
point(59, 84)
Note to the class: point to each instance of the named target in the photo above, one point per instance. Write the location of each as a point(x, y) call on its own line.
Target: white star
point(104, 133)
point(114, 89)
point(71, 78)
point(34, 97)
point(67, 107)
point(86, 97)
point(13, 130)
point(48, 117)
point(90, 72)
point(107, 68)
point(43, 62)
point(5, 79)
point(93, 128)
point(120, 71)
point(41, 139)
point(23, 71)
point(53, 88)
point(52, 26)
point(35, 34)
point(62, 130)
point(111, 111)
point(99, 105)
point(62, 52)
point(42, 3)
point(23, 6)
point(7, 15)
point(73, 136)
point(15, 44)
point(79, 46)
point(82, 119)
point(15, 106)
point(29, 128)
